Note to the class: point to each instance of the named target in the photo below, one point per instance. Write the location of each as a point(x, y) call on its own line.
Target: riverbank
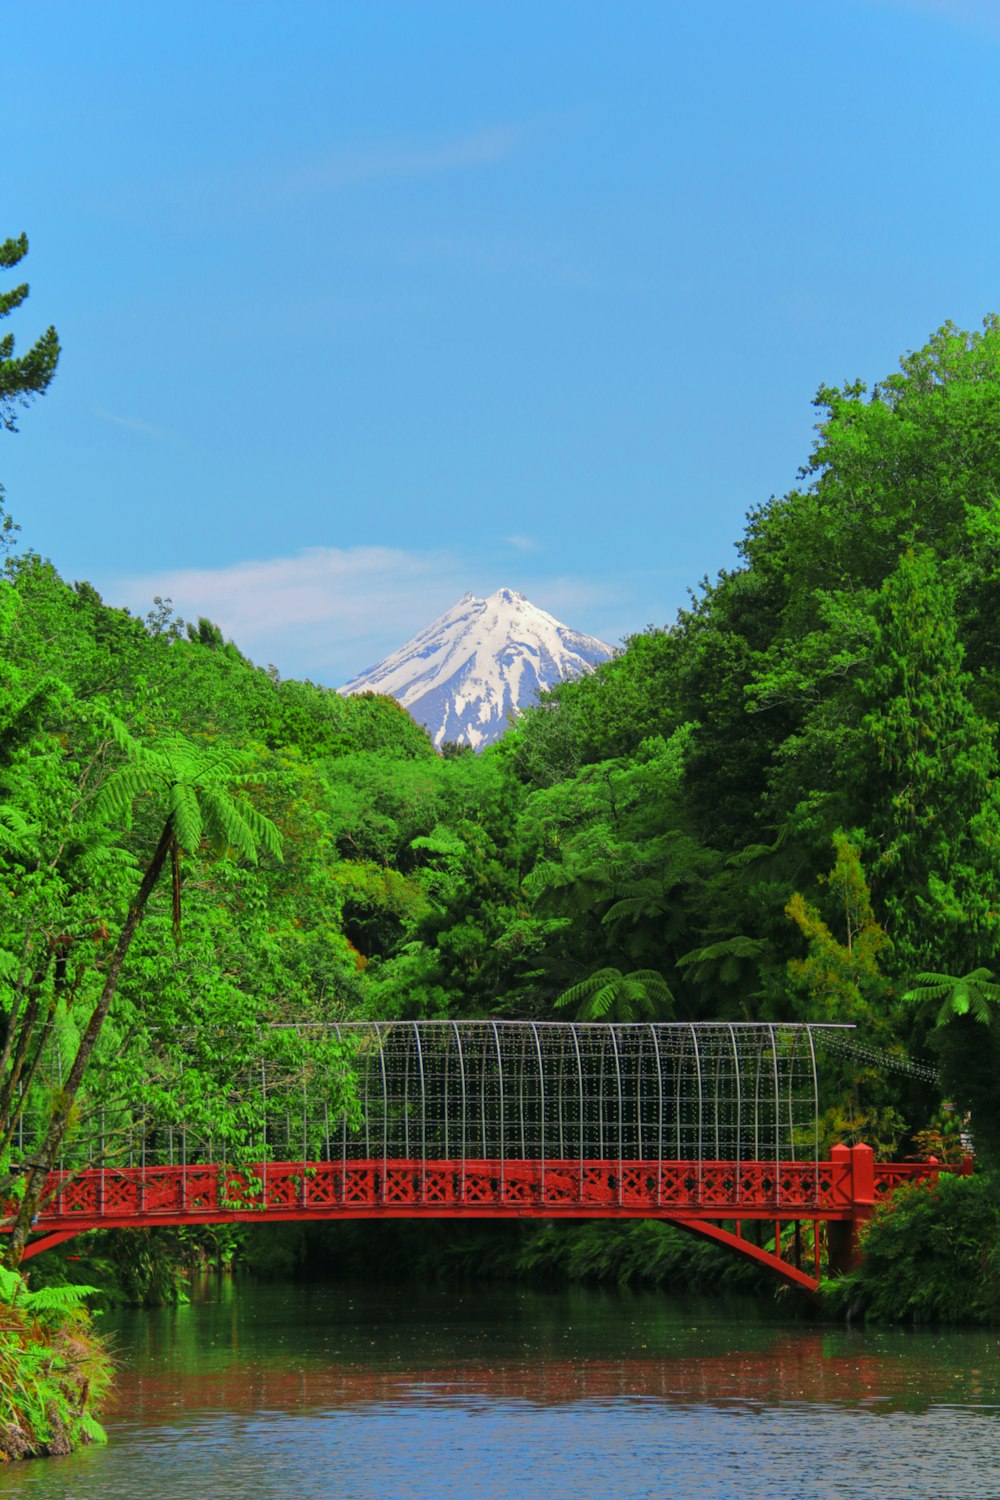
point(55, 1372)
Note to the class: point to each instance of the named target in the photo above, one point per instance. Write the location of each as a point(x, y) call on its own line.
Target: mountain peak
point(474, 667)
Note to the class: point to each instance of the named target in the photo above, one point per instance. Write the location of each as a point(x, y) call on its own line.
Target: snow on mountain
point(465, 675)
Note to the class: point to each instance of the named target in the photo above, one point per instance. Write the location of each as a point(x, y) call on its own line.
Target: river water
point(320, 1390)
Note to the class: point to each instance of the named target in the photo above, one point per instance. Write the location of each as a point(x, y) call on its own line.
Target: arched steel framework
point(537, 1090)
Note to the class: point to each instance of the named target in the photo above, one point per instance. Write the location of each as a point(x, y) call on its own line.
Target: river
point(325, 1390)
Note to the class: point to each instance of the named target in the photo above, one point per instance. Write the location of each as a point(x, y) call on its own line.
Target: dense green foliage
point(929, 1256)
point(783, 806)
point(53, 1372)
point(643, 1252)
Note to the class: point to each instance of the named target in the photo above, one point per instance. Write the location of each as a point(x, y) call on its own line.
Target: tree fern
point(967, 994)
point(724, 960)
point(196, 785)
point(610, 994)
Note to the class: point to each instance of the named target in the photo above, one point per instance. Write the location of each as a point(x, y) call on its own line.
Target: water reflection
point(800, 1368)
point(327, 1391)
point(285, 1347)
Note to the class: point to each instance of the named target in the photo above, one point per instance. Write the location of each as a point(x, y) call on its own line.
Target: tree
point(840, 980)
point(28, 375)
point(195, 785)
point(927, 779)
point(966, 1037)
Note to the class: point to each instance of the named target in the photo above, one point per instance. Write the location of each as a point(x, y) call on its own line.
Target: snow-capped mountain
point(464, 676)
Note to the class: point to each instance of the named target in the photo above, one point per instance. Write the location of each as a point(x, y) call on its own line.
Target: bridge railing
point(544, 1187)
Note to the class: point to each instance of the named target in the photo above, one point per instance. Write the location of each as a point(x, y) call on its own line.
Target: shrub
point(931, 1254)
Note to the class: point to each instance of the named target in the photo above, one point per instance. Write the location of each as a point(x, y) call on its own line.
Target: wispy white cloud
point(328, 609)
point(131, 424)
point(351, 166)
point(257, 187)
point(521, 543)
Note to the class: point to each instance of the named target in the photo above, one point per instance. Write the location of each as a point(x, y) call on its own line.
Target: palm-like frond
point(725, 959)
point(113, 802)
point(15, 829)
point(101, 859)
point(199, 781)
point(184, 809)
point(750, 854)
point(966, 994)
point(639, 898)
point(238, 824)
point(608, 991)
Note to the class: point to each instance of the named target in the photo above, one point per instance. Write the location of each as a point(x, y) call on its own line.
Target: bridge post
point(844, 1236)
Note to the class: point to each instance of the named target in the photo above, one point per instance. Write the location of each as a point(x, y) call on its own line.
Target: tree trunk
point(46, 1159)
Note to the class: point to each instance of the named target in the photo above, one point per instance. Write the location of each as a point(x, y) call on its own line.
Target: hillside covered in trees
point(784, 805)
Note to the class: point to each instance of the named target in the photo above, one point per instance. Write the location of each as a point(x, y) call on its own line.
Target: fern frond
point(116, 729)
point(578, 992)
point(632, 906)
point(750, 854)
point(15, 830)
point(652, 980)
point(960, 995)
point(91, 1428)
point(102, 859)
point(225, 823)
point(113, 802)
point(56, 1299)
point(263, 830)
point(11, 1286)
point(183, 808)
point(545, 876)
point(643, 991)
point(601, 1002)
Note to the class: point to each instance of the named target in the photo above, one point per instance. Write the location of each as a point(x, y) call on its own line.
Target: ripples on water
point(316, 1391)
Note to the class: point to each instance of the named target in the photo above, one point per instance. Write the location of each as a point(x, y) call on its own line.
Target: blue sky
point(367, 304)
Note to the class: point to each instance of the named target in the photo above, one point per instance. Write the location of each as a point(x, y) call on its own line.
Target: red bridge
point(698, 1125)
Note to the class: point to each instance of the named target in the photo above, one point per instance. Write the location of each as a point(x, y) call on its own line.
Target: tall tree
point(22, 377)
point(195, 787)
point(928, 780)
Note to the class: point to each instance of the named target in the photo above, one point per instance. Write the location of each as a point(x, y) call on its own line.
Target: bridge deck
point(400, 1188)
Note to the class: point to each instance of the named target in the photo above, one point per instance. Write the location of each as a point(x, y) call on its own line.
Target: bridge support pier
point(843, 1236)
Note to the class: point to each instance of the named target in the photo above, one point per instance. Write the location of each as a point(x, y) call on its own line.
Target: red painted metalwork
point(704, 1197)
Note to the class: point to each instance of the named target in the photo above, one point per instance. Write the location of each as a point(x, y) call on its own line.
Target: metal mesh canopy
point(494, 1091)
point(528, 1090)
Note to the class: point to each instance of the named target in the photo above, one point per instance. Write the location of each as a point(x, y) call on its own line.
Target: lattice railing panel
point(715, 1189)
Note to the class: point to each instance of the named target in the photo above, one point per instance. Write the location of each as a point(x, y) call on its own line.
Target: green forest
point(784, 805)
